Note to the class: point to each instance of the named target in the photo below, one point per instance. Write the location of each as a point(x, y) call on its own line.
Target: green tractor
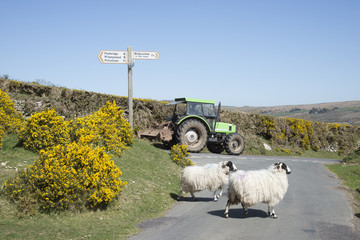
point(196, 123)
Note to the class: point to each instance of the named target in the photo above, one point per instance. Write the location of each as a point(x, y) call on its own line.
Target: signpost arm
point(130, 86)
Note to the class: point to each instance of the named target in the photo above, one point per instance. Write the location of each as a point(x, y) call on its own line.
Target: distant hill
point(334, 112)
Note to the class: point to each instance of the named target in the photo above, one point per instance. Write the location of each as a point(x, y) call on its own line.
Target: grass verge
point(152, 179)
point(349, 174)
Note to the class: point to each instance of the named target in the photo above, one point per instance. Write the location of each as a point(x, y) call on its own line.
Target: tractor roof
point(178, 100)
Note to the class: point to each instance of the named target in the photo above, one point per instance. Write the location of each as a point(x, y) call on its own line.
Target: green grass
point(321, 154)
point(349, 174)
point(13, 157)
point(349, 109)
point(153, 180)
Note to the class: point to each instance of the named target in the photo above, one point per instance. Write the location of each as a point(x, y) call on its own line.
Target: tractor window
point(194, 109)
point(180, 109)
point(209, 110)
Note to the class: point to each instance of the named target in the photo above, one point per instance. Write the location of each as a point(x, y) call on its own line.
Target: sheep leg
point(192, 195)
point(245, 209)
point(271, 212)
point(180, 192)
point(227, 209)
point(217, 196)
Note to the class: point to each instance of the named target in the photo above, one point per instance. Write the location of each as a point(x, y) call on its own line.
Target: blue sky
point(242, 53)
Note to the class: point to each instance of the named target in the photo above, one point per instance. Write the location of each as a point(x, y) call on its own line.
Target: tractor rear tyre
point(193, 134)
point(234, 144)
point(215, 147)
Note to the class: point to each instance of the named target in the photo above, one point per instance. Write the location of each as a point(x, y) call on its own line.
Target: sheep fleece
point(251, 187)
point(198, 178)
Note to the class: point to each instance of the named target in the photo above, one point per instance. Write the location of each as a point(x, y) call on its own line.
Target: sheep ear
point(278, 165)
point(225, 164)
point(281, 166)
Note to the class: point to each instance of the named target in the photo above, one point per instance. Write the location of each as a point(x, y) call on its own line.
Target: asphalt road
point(314, 207)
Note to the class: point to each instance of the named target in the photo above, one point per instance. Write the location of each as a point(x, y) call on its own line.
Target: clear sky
point(242, 53)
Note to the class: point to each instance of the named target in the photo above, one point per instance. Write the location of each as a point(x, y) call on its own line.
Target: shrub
point(107, 126)
point(44, 130)
point(268, 126)
point(353, 157)
point(287, 151)
point(72, 176)
point(10, 119)
point(179, 155)
point(2, 133)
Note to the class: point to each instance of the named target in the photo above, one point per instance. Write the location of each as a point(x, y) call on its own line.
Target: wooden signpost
point(127, 57)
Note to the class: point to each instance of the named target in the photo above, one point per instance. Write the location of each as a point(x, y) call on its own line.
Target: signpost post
point(130, 86)
point(127, 57)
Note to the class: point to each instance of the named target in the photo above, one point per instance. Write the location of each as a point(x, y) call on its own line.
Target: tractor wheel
point(193, 134)
point(234, 144)
point(215, 147)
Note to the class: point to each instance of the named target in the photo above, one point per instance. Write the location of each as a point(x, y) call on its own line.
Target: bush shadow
point(159, 146)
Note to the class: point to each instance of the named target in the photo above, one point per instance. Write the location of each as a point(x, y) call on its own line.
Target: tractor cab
point(194, 108)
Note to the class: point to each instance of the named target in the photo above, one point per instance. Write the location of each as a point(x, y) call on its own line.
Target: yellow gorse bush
point(70, 176)
point(107, 126)
point(44, 130)
point(179, 154)
point(306, 135)
point(73, 170)
point(10, 119)
point(2, 133)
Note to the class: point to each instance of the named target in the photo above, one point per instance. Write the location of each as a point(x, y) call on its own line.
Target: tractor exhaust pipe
point(212, 137)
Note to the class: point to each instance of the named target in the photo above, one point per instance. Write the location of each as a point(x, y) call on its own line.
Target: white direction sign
point(127, 57)
point(145, 55)
point(115, 57)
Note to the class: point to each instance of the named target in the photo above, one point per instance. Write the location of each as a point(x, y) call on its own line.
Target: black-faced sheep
point(251, 187)
point(211, 176)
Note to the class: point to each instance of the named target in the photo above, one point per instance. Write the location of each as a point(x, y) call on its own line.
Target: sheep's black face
point(281, 165)
point(231, 166)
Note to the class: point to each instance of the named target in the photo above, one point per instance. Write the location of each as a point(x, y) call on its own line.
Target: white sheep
point(211, 176)
point(251, 187)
